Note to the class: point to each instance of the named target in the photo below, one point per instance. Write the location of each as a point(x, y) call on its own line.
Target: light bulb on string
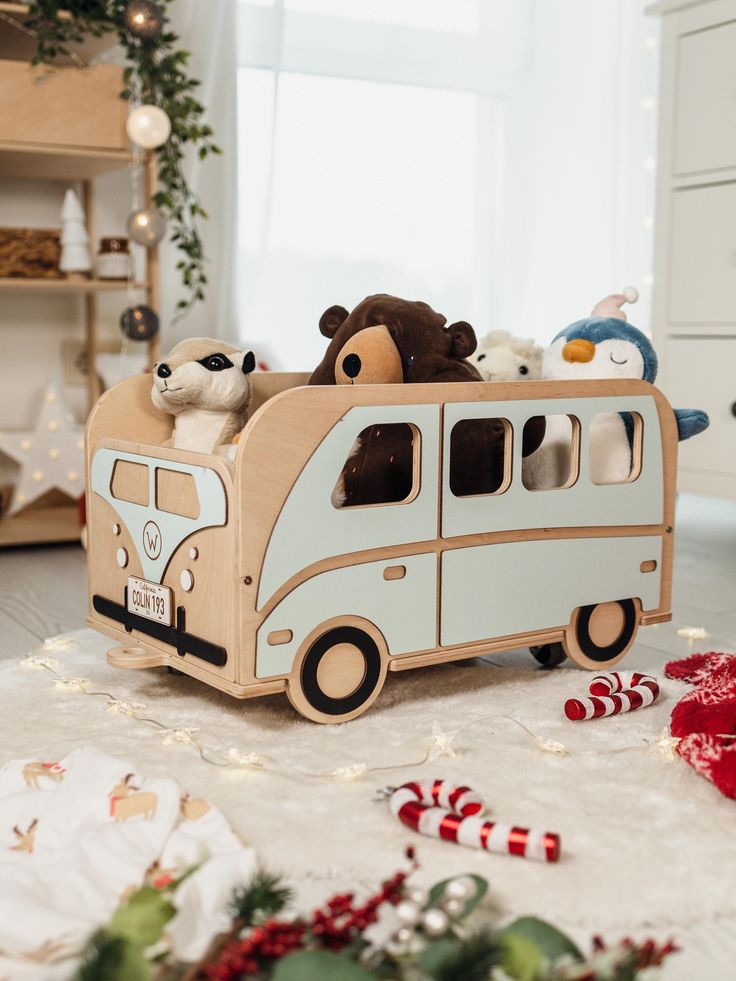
point(139, 323)
point(143, 19)
point(148, 127)
point(146, 227)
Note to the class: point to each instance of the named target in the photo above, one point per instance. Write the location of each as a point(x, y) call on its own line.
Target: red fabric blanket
point(704, 720)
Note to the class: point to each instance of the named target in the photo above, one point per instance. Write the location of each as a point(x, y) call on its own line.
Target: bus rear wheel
point(549, 655)
point(601, 634)
point(338, 675)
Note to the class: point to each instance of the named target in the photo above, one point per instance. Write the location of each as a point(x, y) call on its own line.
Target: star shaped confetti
point(441, 742)
point(50, 456)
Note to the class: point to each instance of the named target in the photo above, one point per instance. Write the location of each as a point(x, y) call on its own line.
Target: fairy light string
point(441, 742)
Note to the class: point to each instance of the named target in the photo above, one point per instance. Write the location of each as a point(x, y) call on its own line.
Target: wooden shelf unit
point(20, 285)
point(34, 155)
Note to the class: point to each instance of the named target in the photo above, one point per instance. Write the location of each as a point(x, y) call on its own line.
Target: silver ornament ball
point(407, 912)
point(435, 922)
point(458, 889)
point(418, 896)
point(453, 907)
point(146, 227)
point(139, 323)
point(143, 19)
point(403, 935)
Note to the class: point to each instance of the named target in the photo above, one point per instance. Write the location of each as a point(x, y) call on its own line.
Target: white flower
point(118, 707)
point(72, 684)
point(34, 662)
point(351, 772)
point(182, 735)
point(441, 742)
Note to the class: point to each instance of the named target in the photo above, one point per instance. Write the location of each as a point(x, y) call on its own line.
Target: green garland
point(156, 74)
point(331, 944)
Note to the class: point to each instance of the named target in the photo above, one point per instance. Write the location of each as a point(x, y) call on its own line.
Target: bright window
point(368, 136)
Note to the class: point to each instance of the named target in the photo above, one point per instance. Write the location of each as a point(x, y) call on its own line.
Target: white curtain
point(580, 164)
point(208, 31)
point(497, 163)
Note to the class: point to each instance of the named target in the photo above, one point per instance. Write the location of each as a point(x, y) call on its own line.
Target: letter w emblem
point(152, 540)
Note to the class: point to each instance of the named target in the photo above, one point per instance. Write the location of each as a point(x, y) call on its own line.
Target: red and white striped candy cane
point(441, 810)
point(612, 694)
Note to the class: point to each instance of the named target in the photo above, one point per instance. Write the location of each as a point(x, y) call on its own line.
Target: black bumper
point(176, 637)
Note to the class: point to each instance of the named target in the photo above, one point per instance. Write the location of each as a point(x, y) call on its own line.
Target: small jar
point(113, 259)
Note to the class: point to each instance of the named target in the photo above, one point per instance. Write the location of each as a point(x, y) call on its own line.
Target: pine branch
point(261, 898)
point(472, 960)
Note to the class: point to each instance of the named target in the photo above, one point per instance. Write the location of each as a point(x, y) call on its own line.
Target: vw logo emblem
point(152, 540)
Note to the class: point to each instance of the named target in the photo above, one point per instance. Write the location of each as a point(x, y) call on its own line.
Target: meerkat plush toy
point(204, 385)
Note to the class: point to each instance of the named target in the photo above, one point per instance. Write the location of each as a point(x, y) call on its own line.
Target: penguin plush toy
point(603, 345)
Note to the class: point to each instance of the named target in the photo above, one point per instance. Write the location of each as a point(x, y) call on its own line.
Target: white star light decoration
point(50, 456)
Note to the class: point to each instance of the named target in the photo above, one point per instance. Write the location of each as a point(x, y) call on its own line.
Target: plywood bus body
point(252, 577)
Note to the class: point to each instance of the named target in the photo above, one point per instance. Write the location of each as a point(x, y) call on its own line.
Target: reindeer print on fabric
point(26, 839)
point(193, 808)
point(32, 772)
point(127, 801)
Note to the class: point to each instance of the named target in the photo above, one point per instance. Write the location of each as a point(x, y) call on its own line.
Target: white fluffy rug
point(644, 839)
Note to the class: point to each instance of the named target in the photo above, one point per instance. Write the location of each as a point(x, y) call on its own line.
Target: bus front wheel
point(337, 675)
point(601, 634)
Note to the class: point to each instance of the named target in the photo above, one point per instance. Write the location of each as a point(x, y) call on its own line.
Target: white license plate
point(149, 600)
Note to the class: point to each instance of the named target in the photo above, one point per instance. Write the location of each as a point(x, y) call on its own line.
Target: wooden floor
point(43, 593)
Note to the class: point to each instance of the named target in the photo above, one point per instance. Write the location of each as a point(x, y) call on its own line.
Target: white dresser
point(694, 311)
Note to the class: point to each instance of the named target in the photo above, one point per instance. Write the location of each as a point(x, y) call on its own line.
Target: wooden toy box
point(248, 576)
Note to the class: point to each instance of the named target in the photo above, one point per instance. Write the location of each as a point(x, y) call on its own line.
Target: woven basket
point(30, 253)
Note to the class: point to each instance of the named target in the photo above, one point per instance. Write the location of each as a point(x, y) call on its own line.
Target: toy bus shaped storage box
point(249, 576)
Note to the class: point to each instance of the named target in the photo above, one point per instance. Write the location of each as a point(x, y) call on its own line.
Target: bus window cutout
point(392, 451)
point(130, 482)
point(556, 464)
point(611, 459)
point(482, 477)
point(176, 493)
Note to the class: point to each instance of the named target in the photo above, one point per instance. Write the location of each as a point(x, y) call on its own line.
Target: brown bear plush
point(389, 340)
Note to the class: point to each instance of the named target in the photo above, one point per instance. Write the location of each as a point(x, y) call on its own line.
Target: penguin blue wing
point(690, 422)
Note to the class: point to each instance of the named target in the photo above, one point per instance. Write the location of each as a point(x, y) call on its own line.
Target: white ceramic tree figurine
point(75, 257)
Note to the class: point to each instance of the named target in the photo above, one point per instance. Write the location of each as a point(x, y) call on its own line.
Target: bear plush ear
point(331, 321)
point(464, 341)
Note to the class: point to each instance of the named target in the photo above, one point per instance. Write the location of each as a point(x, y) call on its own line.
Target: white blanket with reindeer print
point(78, 834)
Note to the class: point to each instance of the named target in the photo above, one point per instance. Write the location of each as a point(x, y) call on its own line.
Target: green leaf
point(521, 959)
point(437, 953)
point(551, 942)
point(318, 965)
point(481, 888)
point(114, 959)
point(143, 917)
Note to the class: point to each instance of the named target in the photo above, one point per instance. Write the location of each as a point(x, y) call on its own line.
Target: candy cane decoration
point(612, 694)
point(441, 810)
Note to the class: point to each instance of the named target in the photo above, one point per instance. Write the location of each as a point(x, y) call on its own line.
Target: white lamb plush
point(500, 356)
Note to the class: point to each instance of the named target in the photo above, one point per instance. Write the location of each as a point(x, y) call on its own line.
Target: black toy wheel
point(549, 655)
point(339, 676)
point(602, 633)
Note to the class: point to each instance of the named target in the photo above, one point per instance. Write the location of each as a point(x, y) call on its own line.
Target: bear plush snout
point(369, 357)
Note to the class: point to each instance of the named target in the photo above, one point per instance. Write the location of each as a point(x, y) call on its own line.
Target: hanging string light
point(146, 227)
point(139, 323)
point(148, 127)
point(144, 20)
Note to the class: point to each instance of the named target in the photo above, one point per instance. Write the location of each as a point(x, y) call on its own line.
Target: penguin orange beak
point(578, 350)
